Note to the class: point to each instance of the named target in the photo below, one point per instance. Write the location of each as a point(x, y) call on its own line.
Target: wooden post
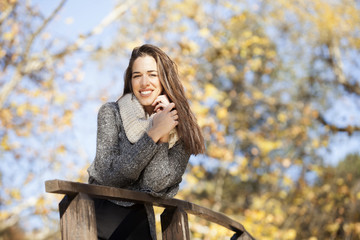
point(245, 236)
point(241, 236)
point(174, 220)
point(174, 224)
point(77, 218)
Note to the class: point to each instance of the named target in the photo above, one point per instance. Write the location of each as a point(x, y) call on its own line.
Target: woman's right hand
point(163, 122)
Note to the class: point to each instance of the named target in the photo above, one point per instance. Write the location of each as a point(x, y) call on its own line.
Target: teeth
point(145, 92)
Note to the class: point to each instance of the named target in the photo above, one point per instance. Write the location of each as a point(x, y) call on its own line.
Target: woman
point(144, 141)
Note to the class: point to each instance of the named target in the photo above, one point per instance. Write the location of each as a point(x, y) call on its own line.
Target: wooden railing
point(77, 213)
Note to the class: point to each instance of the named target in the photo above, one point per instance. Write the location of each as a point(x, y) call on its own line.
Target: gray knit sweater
point(144, 166)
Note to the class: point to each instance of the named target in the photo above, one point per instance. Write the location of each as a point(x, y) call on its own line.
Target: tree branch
point(41, 28)
point(351, 88)
point(107, 20)
point(14, 218)
point(6, 13)
point(337, 65)
point(18, 74)
point(349, 129)
point(26, 65)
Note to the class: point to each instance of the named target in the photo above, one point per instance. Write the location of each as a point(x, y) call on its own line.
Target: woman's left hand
point(160, 103)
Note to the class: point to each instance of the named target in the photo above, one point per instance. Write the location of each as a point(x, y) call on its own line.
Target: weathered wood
point(174, 224)
point(72, 188)
point(77, 218)
point(241, 236)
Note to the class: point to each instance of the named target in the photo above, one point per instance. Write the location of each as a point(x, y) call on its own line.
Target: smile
point(145, 92)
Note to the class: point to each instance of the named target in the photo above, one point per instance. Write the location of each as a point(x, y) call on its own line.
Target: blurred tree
point(38, 81)
point(260, 76)
point(328, 209)
point(28, 89)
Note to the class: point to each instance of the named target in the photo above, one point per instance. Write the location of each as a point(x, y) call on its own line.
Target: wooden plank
point(71, 188)
point(77, 218)
point(242, 236)
point(174, 224)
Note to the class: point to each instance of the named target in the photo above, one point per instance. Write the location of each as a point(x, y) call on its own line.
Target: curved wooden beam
point(73, 188)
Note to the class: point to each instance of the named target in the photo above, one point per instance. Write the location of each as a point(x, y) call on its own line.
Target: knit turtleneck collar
point(136, 121)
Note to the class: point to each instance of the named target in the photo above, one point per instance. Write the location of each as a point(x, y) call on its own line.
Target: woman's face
point(145, 82)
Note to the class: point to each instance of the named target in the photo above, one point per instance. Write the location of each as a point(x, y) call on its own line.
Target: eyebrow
point(147, 71)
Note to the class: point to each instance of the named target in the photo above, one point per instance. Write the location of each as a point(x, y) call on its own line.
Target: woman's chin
point(146, 102)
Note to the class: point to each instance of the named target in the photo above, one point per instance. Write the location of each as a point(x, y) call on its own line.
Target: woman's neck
point(149, 110)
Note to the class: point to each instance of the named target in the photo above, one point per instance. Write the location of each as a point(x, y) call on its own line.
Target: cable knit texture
point(143, 165)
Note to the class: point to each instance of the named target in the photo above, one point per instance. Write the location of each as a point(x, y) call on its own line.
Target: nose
point(144, 81)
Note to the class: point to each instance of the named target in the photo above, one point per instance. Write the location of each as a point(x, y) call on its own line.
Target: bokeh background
point(274, 84)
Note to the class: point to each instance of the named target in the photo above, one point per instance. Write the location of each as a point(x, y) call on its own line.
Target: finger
point(160, 106)
point(175, 117)
point(169, 107)
point(156, 101)
point(173, 112)
point(162, 98)
point(157, 108)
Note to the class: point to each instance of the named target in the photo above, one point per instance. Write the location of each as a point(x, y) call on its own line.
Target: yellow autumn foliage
point(265, 145)
point(237, 61)
point(222, 113)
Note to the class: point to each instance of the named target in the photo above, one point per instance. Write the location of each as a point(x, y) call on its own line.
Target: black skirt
point(115, 222)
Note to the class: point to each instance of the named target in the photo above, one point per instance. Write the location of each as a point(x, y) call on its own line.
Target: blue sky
point(80, 16)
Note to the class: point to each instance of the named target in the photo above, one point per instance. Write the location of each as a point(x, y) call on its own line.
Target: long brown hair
point(188, 129)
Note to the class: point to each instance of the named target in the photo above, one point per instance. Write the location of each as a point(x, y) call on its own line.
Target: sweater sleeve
point(165, 171)
point(114, 164)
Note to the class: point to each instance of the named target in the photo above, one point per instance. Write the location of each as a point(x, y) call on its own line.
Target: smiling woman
point(145, 82)
point(144, 142)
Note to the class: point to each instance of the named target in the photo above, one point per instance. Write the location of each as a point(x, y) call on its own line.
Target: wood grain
point(73, 188)
point(77, 218)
